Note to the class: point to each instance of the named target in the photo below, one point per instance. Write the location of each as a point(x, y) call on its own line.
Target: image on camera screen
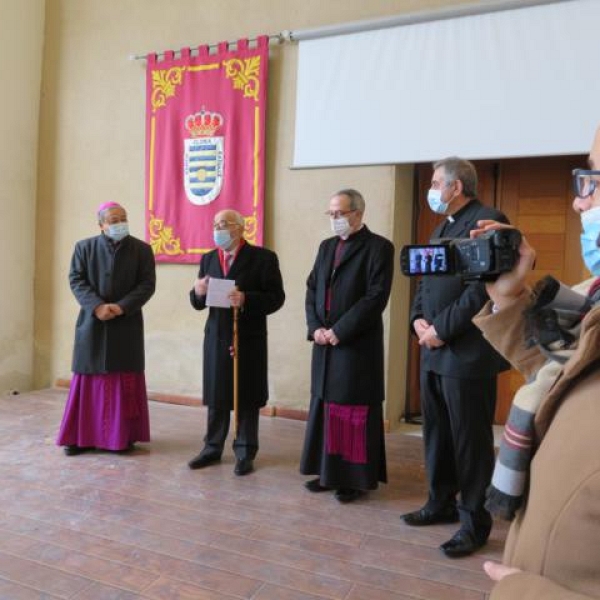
point(427, 260)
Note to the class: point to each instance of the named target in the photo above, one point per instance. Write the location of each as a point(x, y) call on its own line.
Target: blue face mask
point(117, 231)
point(434, 199)
point(222, 238)
point(590, 251)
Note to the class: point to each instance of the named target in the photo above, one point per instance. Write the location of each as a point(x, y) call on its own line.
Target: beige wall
point(21, 42)
point(92, 138)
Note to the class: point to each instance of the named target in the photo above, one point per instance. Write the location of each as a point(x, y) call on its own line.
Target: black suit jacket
point(351, 372)
point(449, 303)
point(103, 273)
point(256, 273)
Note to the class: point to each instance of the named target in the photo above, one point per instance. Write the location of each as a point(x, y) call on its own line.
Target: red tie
point(228, 261)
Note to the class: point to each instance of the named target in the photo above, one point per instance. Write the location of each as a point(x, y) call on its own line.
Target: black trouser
point(246, 444)
point(459, 444)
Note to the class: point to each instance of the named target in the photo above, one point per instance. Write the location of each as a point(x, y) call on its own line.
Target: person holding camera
point(548, 483)
point(458, 373)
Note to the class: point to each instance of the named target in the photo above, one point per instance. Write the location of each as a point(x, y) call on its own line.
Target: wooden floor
point(102, 526)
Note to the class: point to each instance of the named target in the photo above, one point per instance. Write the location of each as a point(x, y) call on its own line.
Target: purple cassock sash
point(108, 411)
point(346, 432)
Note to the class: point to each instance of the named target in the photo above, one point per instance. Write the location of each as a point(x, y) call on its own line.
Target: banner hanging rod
point(454, 12)
point(277, 38)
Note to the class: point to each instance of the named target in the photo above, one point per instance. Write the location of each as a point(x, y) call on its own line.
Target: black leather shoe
point(314, 485)
point(424, 516)
point(203, 460)
point(348, 495)
point(462, 543)
point(243, 466)
point(74, 450)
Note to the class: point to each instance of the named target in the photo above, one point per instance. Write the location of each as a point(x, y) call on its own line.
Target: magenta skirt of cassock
point(107, 411)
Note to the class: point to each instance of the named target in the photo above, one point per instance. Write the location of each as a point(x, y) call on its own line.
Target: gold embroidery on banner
point(161, 238)
point(164, 85)
point(256, 151)
point(251, 228)
point(244, 74)
point(198, 250)
point(208, 67)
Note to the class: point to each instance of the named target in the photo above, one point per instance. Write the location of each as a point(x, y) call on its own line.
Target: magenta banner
point(205, 146)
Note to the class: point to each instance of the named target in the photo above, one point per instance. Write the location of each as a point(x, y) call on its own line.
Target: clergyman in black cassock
point(347, 292)
point(458, 373)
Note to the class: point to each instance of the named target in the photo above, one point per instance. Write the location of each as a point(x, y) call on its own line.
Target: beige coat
point(555, 538)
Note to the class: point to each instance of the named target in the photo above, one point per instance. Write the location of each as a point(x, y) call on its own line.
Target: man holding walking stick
point(258, 292)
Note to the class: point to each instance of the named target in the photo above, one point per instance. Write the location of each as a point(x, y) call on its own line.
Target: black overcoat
point(353, 371)
point(256, 273)
point(450, 303)
point(123, 274)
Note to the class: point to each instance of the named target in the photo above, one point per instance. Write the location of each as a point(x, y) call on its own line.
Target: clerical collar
point(349, 237)
point(452, 218)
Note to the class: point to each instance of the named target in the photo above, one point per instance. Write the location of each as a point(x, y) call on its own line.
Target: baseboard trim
point(174, 399)
point(271, 410)
point(296, 414)
point(182, 400)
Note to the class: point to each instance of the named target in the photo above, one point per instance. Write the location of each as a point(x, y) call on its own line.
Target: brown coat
point(555, 538)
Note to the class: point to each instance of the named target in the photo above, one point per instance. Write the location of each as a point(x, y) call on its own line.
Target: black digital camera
point(483, 258)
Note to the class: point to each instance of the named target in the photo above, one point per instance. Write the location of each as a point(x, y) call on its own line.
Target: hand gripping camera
point(483, 258)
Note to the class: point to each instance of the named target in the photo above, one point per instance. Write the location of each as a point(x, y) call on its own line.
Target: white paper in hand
point(218, 292)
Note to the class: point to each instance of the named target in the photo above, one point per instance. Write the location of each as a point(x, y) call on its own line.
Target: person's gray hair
point(357, 202)
point(459, 169)
point(239, 219)
point(102, 213)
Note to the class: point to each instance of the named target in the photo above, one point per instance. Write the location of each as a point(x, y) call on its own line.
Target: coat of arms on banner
point(205, 144)
point(203, 157)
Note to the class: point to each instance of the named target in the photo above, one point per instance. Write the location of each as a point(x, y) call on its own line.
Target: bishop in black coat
point(347, 292)
point(112, 276)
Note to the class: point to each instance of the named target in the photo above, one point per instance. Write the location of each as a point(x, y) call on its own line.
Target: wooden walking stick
point(236, 311)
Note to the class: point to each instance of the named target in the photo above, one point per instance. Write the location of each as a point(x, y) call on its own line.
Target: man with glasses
point(457, 374)
point(553, 497)
point(347, 291)
point(258, 292)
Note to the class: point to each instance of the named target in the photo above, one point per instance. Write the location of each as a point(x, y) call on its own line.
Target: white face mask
point(434, 199)
point(117, 231)
point(222, 238)
point(590, 239)
point(341, 226)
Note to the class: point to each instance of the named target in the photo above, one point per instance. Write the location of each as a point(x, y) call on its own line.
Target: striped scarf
point(554, 328)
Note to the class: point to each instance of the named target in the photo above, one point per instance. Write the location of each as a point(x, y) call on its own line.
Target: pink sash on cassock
point(106, 410)
point(346, 432)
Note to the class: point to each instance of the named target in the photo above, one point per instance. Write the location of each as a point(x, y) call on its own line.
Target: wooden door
point(535, 194)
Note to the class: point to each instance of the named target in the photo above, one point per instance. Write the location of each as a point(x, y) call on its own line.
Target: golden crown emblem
point(203, 123)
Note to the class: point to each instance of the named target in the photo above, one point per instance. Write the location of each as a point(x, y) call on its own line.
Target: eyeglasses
point(336, 214)
point(224, 225)
point(585, 182)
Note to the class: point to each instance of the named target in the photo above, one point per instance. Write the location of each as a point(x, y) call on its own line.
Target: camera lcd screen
point(425, 260)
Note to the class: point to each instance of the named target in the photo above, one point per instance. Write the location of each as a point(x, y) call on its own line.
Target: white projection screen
point(516, 83)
